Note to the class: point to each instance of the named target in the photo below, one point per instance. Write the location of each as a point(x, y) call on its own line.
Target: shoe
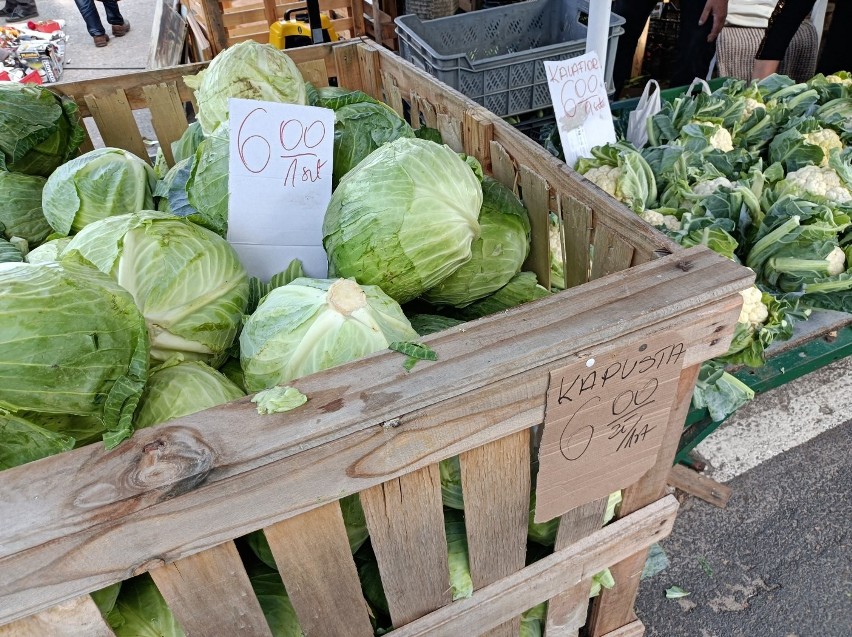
point(21, 15)
point(5, 13)
point(100, 40)
point(119, 30)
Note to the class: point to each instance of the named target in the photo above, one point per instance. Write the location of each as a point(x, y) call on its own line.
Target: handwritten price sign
point(580, 102)
point(604, 422)
point(279, 184)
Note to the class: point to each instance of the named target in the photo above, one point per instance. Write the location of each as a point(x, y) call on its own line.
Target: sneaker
point(21, 15)
point(119, 30)
point(100, 40)
point(5, 13)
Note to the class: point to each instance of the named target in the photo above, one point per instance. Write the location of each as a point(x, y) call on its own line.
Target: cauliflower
point(606, 178)
point(721, 140)
point(751, 105)
point(670, 222)
point(826, 139)
point(836, 79)
point(754, 311)
point(707, 188)
point(836, 262)
point(824, 182)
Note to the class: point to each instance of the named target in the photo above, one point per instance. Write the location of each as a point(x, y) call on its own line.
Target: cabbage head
point(247, 70)
point(10, 253)
point(498, 253)
point(102, 183)
point(141, 611)
point(49, 251)
point(274, 602)
point(23, 441)
point(310, 325)
point(20, 208)
point(39, 130)
point(188, 282)
point(461, 583)
point(73, 342)
point(83, 429)
point(177, 389)
point(404, 218)
point(207, 185)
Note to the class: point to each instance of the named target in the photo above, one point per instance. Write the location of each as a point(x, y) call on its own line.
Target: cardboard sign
point(604, 422)
point(580, 103)
point(279, 185)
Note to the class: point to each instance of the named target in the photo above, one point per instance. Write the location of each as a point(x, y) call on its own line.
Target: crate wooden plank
point(566, 613)
point(427, 112)
point(478, 133)
point(700, 486)
point(406, 523)
point(451, 131)
point(633, 629)
point(315, 72)
point(269, 11)
point(78, 617)
point(503, 168)
point(610, 252)
point(492, 605)
point(577, 224)
point(210, 594)
point(216, 32)
point(198, 39)
point(116, 123)
point(167, 115)
point(536, 196)
point(490, 382)
point(258, 11)
point(392, 95)
point(371, 78)
point(348, 66)
point(496, 478)
point(614, 608)
point(313, 556)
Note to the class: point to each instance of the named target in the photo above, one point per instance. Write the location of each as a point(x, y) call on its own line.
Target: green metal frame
point(778, 370)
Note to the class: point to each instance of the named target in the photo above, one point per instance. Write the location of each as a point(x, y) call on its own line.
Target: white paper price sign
point(578, 92)
point(279, 185)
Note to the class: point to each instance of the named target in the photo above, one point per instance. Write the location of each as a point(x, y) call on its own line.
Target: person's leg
point(120, 26)
point(837, 53)
point(90, 15)
point(694, 52)
point(635, 14)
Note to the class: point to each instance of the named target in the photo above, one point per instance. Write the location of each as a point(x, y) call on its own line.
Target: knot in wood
point(176, 459)
point(684, 265)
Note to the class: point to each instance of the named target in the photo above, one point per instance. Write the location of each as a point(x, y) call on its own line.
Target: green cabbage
point(83, 429)
point(73, 342)
point(207, 185)
point(498, 253)
point(185, 147)
point(99, 184)
point(39, 130)
point(461, 583)
point(425, 324)
point(23, 441)
point(9, 253)
point(187, 281)
point(274, 601)
point(247, 70)
point(141, 611)
point(20, 208)
point(312, 324)
point(171, 190)
point(521, 289)
point(404, 218)
point(178, 389)
point(48, 252)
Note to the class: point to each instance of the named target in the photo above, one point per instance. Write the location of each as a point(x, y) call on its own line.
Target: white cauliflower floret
point(754, 311)
point(721, 140)
point(835, 79)
point(836, 262)
point(670, 222)
point(707, 188)
point(751, 105)
point(606, 178)
point(826, 139)
point(824, 182)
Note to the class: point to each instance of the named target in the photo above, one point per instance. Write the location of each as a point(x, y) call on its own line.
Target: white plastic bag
point(648, 106)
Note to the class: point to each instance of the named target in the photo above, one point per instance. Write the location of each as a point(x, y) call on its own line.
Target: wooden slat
point(427, 112)
point(488, 383)
point(358, 16)
point(392, 95)
point(348, 66)
point(258, 11)
point(406, 523)
point(611, 253)
point(700, 486)
point(78, 617)
point(536, 196)
point(478, 133)
point(315, 72)
point(577, 224)
point(371, 78)
point(543, 579)
point(216, 32)
point(116, 123)
point(451, 131)
point(566, 613)
point(167, 115)
point(210, 594)
point(633, 629)
point(313, 556)
point(198, 39)
point(614, 608)
point(503, 168)
point(269, 11)
point(496, 487)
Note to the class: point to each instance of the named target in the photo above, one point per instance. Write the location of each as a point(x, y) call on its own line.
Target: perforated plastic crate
point(495, 56)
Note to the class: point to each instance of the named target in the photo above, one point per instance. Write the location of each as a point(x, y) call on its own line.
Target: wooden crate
point(226, 22)
point(171, 500)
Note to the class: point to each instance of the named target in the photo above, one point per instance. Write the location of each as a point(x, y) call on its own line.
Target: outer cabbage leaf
point(719, 392)
point(498, 253)
point(185, 147)
point(39, 130)
point(461, 583)
point(178, 389)
point(521, 289)
point(83, 429)
point(187, 281)
point(172, 190)
point(73, 342)
point(274, 601)
point(102, 183)
point(48, 252)
point(9, 253)
point(425, 324)
point(20, 208)
point(404, 218)
point(23, 441)
point(247, 70)
point(310, 325)
point(141, 611)
point(207, 186)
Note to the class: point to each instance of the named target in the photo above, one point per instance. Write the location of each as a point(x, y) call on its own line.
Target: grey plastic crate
point(495, 56)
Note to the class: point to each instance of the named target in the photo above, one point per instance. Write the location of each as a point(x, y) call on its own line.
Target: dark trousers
point(837, 53)
point(693, 52)
point(93, 21)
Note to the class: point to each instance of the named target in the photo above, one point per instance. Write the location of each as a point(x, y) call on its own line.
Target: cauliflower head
point(826, 139)
point(754, 311)
point(751, 105)
point(707, 188)
point(721, 140)
point(657, 219)
point(606, 178)
point(836, 262)
point(821, 181)
point(836, 79)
